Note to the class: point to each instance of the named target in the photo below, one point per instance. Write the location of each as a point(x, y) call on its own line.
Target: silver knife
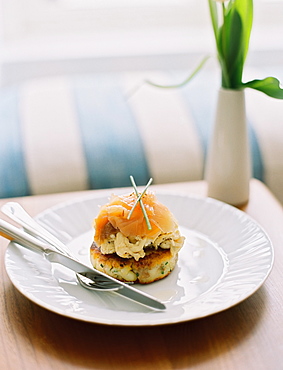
point(18, 236)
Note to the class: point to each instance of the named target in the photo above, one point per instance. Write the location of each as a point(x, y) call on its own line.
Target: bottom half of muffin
point(155, 265)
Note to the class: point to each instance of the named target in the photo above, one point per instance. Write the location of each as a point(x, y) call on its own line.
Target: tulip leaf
point(214, 17)
point(189, 78)
point(269, 86)
point(245, 10)
point(233, 47)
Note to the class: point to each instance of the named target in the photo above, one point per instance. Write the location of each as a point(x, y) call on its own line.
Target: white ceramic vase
point(228, 165)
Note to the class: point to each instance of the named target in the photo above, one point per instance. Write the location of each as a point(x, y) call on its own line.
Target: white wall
point(42, 37)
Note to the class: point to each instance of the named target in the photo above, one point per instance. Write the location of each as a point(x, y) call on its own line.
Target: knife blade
point(22, 238)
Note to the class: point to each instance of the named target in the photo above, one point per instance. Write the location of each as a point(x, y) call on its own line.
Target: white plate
point(226, 257)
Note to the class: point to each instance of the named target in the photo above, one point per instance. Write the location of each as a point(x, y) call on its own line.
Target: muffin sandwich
point(136, 239)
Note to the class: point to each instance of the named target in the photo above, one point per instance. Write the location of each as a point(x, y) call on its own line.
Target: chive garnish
point(139, 200)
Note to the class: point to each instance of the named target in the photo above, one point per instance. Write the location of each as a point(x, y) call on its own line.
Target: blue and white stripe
point(109, 132)
point(94, 131)
point(54, 156)
point(169, 136)
point(13, 177)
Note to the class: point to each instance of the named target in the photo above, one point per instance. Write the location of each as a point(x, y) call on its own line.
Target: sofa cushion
point(82, 132)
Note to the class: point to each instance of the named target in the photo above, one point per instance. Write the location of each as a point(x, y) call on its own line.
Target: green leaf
point(233, 47)
point(214, 17)
point(245, 10)
point(269, 86)
point(191, 76)
point(233, 39)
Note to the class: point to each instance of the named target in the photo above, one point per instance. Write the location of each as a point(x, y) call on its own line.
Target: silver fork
point(93, 281)
point(89, 280)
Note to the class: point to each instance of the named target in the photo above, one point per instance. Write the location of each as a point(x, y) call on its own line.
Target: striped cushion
point(87, 132)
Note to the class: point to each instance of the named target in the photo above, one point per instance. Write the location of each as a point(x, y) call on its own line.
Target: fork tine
point(92, 284)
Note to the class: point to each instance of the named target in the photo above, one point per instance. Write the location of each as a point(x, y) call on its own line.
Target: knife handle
point(18, 236)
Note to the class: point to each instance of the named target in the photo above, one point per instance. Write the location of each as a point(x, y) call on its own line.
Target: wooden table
point(247, 336)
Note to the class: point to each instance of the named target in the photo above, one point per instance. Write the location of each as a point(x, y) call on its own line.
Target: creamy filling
point(128, 247)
